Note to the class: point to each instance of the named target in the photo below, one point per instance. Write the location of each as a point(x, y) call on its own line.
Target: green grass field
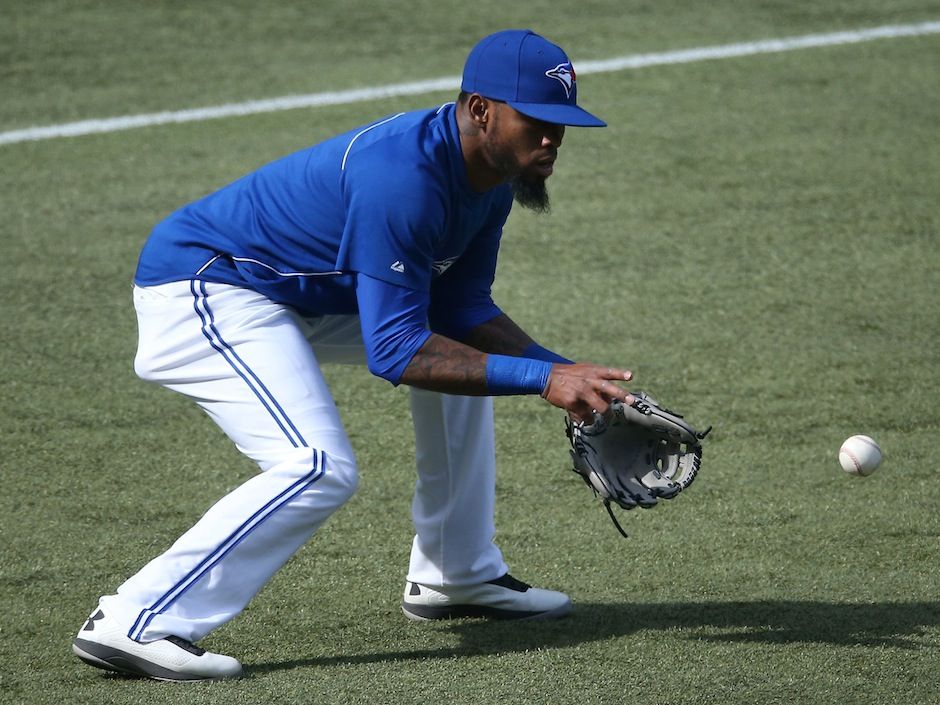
point(757, 238)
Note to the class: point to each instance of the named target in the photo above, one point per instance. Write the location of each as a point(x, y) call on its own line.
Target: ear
point(480, 111)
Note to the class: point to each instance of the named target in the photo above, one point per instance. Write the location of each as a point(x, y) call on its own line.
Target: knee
point(342, 474)
point(332, 479)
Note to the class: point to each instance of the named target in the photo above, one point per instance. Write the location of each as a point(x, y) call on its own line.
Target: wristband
point(516, 375)
point(537, 352)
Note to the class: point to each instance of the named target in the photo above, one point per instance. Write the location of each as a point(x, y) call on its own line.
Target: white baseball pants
point(253, 366)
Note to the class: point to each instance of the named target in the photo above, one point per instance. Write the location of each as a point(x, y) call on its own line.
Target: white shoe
point(103, 643)
point(503, 598)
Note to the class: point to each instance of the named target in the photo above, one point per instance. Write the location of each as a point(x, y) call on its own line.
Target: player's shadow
point(895, 624)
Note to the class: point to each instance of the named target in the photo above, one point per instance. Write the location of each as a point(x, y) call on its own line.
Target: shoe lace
point(507, 581)
point(186, 645)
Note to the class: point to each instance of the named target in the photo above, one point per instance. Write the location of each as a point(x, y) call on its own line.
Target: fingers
point(607, 391)
point(608, 372)
point(611, 392)
point(585, 390)
point(625, 375)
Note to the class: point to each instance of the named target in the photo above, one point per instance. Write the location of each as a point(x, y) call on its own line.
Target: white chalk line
point(451, 83)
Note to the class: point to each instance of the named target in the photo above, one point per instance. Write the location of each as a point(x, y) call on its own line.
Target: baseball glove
point(636, 455)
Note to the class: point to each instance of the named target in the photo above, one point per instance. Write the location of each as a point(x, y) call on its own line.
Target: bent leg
point(245, 361)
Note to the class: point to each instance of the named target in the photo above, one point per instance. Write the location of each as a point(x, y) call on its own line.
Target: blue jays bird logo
point(442, 265)
point(564, 74)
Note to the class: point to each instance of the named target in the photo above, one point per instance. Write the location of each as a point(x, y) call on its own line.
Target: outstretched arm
point(444, 365)
point(577, 388)
point(399, 348)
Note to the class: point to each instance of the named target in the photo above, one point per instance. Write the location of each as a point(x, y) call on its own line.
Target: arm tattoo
point(499, 335)
point(444, 365)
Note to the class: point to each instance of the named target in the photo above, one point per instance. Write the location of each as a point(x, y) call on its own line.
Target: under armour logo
point(564, 74)
point(90, 624)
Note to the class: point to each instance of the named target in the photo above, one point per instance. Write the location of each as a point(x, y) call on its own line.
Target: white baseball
point(860, 455)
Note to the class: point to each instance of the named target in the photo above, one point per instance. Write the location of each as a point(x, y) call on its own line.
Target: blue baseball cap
point(525, 70)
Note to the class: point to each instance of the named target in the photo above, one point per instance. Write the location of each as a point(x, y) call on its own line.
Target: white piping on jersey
point(284, 274)
point(267, 266)
point(207, 265)
point(360, 134)
point(453, 102)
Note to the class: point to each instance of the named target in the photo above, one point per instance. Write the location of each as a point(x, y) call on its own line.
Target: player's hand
point(584, 389)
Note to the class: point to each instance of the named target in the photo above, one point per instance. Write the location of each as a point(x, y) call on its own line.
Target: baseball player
point(379, 247)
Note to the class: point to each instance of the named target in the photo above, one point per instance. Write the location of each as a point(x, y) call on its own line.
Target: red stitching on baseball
point(858, 467)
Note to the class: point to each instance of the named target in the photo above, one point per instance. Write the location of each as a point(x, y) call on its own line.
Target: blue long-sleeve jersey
point(379, 221)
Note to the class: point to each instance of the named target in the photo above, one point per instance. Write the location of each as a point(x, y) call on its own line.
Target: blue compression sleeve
point(457, 322)
point(537, 352)
point(516, 375)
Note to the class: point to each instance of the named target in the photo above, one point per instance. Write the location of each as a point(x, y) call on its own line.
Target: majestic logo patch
point(564, 74)
point(397, 266)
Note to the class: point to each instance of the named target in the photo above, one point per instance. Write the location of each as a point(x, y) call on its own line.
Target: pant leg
point(454, 500)
point(246, 362)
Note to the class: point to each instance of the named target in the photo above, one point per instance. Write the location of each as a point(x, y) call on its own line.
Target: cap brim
point(559, 114)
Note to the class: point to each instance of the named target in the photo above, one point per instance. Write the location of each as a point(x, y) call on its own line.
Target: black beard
point(530, 192)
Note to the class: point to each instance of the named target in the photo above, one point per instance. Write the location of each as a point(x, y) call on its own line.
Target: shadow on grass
point(893, 624)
